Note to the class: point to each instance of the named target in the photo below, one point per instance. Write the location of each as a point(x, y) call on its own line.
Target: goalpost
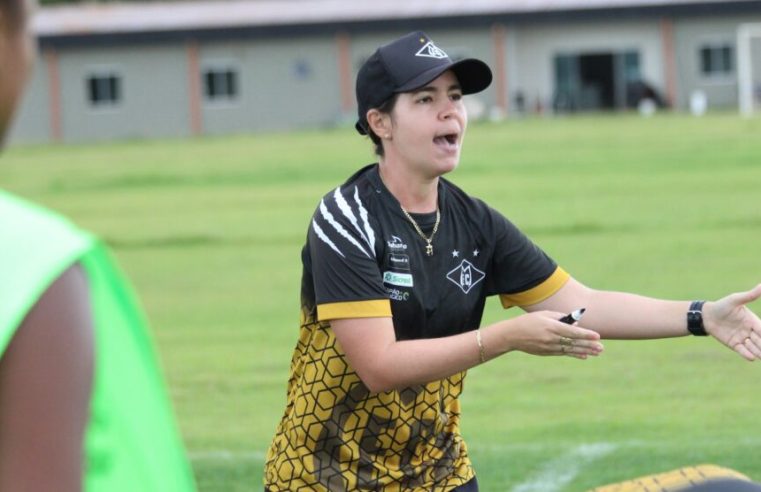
point(749, 67)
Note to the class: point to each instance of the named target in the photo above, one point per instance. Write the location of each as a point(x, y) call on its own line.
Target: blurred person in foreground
point(397, 266)
point(82, 401)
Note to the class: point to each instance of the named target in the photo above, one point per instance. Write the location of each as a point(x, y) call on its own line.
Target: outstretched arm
point(45, 385)
point(620, 315)
point(383, 363)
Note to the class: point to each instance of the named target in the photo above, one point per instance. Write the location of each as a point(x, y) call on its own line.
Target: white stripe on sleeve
point(325, 239)
point(366, 223)
point(346, 210)
point(339, 228)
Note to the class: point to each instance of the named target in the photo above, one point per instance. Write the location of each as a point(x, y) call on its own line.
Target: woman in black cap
point(396, 269)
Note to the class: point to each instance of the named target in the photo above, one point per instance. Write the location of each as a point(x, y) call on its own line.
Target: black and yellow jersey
point(363, 258)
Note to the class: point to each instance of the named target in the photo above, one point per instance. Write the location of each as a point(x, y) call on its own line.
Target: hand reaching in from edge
point(731, 322)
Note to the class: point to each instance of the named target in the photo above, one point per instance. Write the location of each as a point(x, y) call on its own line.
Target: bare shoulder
point(67, 299)
point(45, 385)
point(60, 323)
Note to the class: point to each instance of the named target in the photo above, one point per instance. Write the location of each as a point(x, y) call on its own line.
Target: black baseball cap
point(409, 63)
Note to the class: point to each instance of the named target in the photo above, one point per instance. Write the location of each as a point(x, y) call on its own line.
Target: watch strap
point(695, 319)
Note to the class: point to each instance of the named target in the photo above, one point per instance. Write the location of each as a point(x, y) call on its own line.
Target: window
point(220, 84)
point(302, 70)
point(716, 60)
point(631, 66)
point(104, 89)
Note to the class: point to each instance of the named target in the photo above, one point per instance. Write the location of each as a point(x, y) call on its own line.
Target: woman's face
point(16, 54)
point(428, 126)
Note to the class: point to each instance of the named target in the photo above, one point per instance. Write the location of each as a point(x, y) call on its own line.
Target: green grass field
point(210, 232)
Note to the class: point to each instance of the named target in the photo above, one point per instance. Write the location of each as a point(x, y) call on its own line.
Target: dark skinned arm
point(46, 378)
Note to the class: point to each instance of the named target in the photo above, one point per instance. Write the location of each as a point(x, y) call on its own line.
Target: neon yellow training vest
point(132, 443)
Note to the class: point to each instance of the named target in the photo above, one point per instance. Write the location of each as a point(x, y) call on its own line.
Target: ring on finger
point(566, 342)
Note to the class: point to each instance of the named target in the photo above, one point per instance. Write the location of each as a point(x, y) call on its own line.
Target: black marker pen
point(572, 317)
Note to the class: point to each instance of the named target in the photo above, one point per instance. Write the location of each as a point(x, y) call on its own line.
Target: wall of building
point(308, 81)
point(154, 89)
point(535, 48)
point(284, 84)
point(692, 34)
point(32, 123)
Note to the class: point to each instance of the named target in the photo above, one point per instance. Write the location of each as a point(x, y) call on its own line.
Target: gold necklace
point(429, 246)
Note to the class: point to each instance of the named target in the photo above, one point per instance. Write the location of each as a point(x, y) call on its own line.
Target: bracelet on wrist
point(480, 343)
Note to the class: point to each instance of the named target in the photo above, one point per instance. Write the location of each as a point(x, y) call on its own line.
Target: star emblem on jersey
point(466, 276)
point(455, 254)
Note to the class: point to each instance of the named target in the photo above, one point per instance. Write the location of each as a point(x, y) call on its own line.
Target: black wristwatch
point(695, 319)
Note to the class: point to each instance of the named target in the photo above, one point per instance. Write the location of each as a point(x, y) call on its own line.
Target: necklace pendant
point(429, 250)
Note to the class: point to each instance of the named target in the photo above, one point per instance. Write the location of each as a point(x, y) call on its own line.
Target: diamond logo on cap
point(430, 50)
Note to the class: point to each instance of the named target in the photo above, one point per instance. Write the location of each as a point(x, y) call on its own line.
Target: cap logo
point(430, 50)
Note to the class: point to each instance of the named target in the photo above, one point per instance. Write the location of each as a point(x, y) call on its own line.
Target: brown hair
point(15, 12)
point(385, 108)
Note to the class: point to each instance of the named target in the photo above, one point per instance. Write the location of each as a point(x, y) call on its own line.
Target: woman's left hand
point(731, 322)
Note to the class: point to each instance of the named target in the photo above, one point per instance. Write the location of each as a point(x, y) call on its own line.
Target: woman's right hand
point(540, 333)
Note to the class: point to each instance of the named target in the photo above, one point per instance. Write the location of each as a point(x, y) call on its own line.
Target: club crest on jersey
point(430, 50)
point(466, 276)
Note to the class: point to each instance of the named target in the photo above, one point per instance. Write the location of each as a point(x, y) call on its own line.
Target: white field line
point(557, 473)
point(499, 448)
point(223, 455)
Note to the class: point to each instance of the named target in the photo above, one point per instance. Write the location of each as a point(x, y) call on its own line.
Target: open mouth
point(447, 141)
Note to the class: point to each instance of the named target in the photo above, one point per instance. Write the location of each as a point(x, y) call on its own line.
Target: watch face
point(695, 323)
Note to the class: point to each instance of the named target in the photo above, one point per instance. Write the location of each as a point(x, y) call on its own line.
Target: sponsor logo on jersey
point(399, 261)
point(396, 243)
point(400, 279)
point(397, 295)
point(466, 276)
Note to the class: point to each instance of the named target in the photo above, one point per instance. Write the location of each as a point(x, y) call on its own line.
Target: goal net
point(749, 68)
